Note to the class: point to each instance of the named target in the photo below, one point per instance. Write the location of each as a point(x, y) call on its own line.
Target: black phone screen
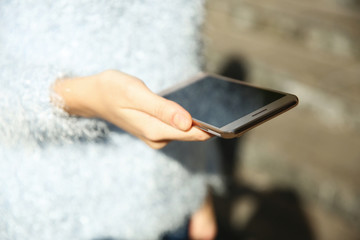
point(218, 102)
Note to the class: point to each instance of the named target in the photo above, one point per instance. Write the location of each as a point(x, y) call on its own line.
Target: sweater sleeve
point(27, 115)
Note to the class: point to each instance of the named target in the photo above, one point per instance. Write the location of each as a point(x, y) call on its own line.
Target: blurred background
point(297, 176)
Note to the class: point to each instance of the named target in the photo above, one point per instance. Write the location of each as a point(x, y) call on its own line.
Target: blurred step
point(296, 150)
point(331, 88)
point(314, 24)
point(325, 224)
point(347, 3)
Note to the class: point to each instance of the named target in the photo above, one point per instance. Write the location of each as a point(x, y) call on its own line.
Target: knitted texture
point(72, 178)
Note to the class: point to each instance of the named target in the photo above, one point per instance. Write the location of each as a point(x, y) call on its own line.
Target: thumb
point(172, 113)
point(165, 110)
point(169, 112)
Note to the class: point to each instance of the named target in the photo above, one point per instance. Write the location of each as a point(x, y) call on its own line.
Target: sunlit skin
point(202, 223)
point(127, 102)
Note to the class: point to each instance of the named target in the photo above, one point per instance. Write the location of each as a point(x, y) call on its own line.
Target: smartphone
point(227, 107)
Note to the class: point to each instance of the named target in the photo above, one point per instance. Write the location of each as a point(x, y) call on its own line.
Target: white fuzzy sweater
point(71, 178)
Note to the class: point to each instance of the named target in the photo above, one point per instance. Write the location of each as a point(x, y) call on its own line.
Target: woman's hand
point(126, 102)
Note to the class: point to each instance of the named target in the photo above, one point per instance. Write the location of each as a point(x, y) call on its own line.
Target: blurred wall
point(311, 49)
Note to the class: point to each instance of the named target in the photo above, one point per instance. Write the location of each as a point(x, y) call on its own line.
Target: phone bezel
point(247, 122)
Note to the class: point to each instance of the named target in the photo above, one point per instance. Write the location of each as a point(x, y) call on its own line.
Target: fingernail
point(181, 121)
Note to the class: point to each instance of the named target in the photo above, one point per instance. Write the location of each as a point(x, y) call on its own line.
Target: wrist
point(78, 95)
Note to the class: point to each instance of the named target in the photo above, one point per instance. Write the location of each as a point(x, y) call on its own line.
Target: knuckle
point(109, 74)
point(152, 135)
point(157, 145)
